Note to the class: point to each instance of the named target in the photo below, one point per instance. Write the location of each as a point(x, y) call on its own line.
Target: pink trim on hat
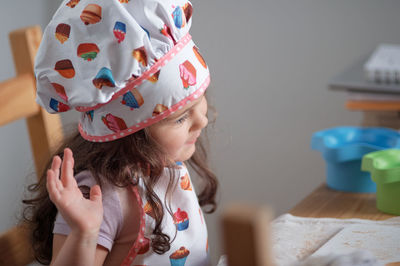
point(147, 122)
point(136, 82)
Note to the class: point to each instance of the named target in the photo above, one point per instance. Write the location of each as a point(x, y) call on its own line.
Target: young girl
point(118, 191)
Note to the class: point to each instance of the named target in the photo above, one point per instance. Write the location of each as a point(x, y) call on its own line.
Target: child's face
point(178, 132)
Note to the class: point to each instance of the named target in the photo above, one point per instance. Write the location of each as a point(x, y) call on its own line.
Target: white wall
point(270, 62)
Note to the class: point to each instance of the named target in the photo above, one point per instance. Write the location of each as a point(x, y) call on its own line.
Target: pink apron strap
point(140, 241)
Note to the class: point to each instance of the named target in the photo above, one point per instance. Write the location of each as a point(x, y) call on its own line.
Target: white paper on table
point(296, 238)
point(383, 241)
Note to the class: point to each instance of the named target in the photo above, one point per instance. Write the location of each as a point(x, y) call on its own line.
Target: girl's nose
point(200, 120)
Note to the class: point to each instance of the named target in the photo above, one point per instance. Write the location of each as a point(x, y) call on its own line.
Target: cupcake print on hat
point(60, 91)
point(91, 14)
point(104, 78)
point(65, 68)
point(132, 99)
point(73, 3)
point(188, 74)
point(181, 220)
point(90, 115)
point(119, 31)
point(130, 70)
point(159, 109)
point(140, 55)
point(154, 77)
point(178, 258)
point(88, 51)
point(166, 31)
point(62, 32)
point(58, 106)
point(182, 15)
point(114, 123)
point(147, 32)
point(179, 17)
point(199, 56)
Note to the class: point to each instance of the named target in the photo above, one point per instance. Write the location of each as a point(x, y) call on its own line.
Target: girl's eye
point(182, 119)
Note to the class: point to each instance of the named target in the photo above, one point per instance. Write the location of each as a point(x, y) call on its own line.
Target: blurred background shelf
point(379, 102)
point(353, 79)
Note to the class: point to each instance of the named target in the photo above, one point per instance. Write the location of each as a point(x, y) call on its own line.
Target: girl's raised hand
point(82, 215)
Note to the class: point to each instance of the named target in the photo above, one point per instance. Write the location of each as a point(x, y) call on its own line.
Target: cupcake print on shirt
point(185, 182)
point(181, 220)
point(178, 258)
point(149, 210)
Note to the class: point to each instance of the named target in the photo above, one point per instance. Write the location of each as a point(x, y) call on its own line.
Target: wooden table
point(325, 202)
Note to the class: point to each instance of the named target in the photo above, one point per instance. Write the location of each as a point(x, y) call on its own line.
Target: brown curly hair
point(116, 162)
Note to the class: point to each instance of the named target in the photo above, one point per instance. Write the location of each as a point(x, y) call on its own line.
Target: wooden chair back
point(246, 235)
point(17, 101)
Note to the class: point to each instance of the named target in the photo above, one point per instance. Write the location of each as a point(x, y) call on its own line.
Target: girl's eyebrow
point(174, 116)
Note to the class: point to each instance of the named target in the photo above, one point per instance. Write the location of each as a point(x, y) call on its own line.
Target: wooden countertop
point(325, 202)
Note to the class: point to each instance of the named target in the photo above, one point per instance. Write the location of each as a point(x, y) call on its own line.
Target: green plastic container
point(384, 167)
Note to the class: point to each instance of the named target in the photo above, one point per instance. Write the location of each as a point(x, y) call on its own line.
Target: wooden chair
point(17, 101)
point(246, 235)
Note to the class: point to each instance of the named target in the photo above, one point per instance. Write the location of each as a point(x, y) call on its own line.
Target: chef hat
point(124, 64)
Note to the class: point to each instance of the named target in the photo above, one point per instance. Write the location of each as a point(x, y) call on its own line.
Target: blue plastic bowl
point(343, 148)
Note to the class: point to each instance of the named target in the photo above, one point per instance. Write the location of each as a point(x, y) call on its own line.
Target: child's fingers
point(95, 193)
point(55, 165)
point(51, 186)
point(58, 183)
point(67, 168)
